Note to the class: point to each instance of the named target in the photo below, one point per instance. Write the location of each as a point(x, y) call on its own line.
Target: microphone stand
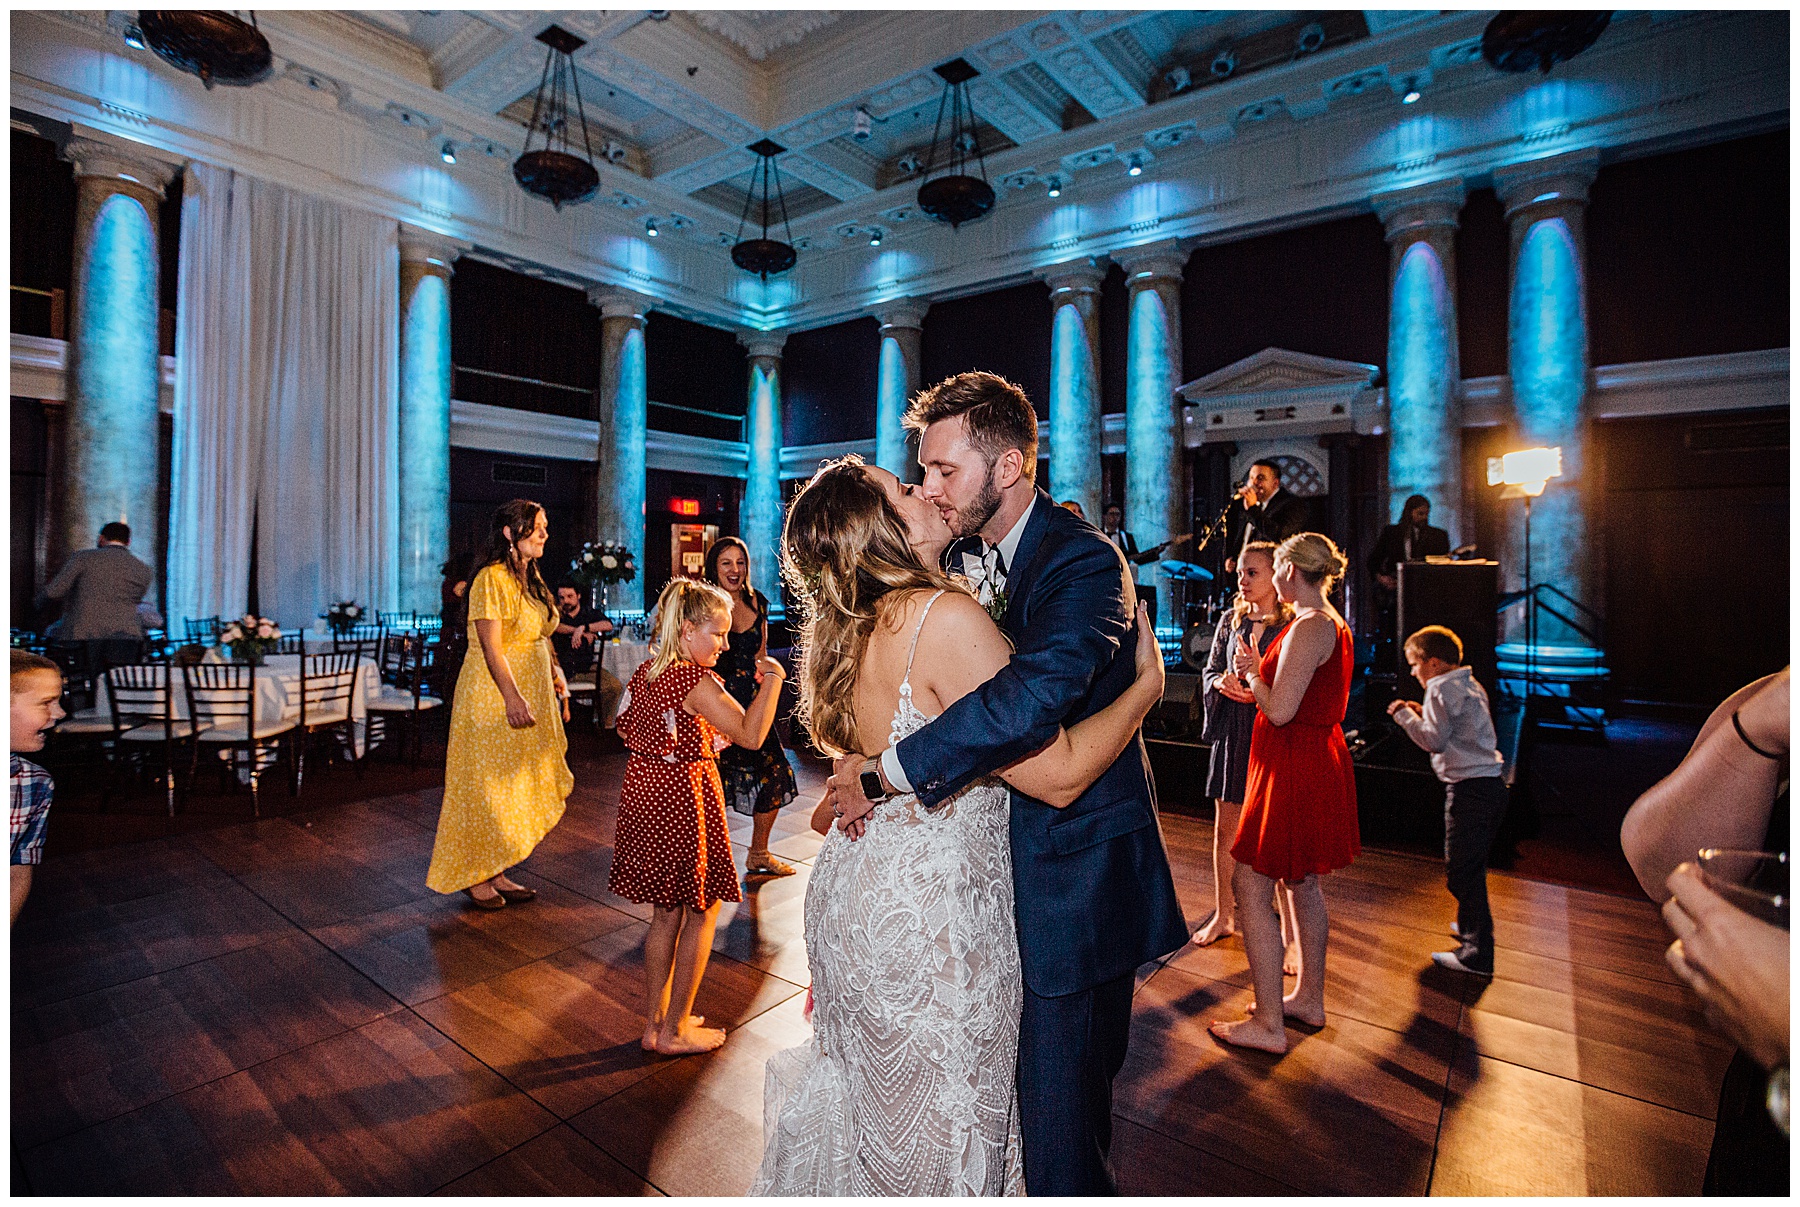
point(1214, 529)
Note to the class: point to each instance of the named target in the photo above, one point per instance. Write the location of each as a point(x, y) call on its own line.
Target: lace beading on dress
point(907, 1087)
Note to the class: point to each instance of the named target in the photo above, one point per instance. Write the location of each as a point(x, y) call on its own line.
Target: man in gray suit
point(101, 589)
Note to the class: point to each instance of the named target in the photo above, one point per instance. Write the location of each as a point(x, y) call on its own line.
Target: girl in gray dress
point(1258, 615)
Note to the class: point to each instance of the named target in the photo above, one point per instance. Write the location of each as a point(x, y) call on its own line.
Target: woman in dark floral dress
point(757, 782)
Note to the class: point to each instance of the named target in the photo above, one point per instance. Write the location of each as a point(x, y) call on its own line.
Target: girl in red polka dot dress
point(671, 848)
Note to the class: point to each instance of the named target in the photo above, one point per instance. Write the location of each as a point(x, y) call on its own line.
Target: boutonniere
point(989, 594)
point(996, 604)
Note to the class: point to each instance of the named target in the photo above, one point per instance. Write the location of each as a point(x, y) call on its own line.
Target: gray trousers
point(1472, 813)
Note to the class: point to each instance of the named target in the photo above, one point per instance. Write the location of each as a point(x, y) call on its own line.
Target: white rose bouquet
point(602, 562)
point(343, 616)
point(250, 637)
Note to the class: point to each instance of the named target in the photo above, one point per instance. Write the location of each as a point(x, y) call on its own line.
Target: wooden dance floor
point(284, 1008)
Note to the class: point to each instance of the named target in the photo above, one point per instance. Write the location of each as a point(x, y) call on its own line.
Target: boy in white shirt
point(1455, 726)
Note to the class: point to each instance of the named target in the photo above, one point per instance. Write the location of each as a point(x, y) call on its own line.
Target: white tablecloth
point(278, 692)
point(621, 659)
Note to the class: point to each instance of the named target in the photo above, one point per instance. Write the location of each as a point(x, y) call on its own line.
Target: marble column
point(1424, 373)
point(1075, 382)
point(1156, 507)
point(111, 418)
point(901, 340)
point(1547, 360)
point(761, 519)
point(624, 432)
point(426, 260)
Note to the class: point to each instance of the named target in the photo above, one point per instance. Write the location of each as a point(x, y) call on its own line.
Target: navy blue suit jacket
point(1093, 890)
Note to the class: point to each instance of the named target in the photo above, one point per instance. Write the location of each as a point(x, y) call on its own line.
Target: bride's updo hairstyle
point(1315, 557)
point(846, 557)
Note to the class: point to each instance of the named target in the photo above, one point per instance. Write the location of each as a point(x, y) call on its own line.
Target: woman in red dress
point(671, 848)
point(1299, 818)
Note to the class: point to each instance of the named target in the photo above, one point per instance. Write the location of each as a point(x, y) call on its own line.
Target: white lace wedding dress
point(907, 1087)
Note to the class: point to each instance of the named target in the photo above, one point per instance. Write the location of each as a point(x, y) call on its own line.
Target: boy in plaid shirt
point(37, 687)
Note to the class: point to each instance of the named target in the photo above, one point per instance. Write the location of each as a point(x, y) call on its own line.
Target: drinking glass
point(1754, 881)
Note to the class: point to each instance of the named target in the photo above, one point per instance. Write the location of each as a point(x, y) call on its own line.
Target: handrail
point(1594, 630)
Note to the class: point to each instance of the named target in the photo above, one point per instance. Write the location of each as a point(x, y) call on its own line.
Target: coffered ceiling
point(1239, 121)
point(676, 96)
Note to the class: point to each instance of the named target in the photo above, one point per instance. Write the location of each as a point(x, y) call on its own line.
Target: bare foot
point(1248, 1033)
point(475, 891)
point(1216, 928)
point(505, 882)
point(1310, 1013)
point(690, 1040)
point(1290, 961)
point(1305, 1015)
point(648, 1043)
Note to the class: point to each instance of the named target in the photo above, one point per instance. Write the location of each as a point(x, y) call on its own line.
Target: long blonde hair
point(1242, 607)
point(846, 557)
point(683, 600)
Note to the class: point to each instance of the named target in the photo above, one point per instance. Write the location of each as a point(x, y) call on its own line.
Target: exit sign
point(685, 506)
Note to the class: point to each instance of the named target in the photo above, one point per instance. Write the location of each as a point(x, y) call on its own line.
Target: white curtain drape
point(286, 402)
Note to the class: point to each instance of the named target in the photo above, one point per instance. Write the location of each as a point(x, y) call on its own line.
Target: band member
point(1412, 539)
point(1270, 513)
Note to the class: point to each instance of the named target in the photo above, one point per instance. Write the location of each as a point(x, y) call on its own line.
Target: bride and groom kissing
point(996, 873)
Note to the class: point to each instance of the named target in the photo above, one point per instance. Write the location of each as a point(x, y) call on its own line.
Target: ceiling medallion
point(553, 171)
point(215, 46)
point(956, 197)
point(764, 256)
point(1538, 41)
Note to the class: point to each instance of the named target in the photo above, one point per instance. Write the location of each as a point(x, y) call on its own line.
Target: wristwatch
point(871, 782)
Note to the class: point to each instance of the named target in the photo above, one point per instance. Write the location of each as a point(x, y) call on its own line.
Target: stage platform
point(282, 1007)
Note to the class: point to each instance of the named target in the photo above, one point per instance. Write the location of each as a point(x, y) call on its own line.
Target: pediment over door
point(1290, 393)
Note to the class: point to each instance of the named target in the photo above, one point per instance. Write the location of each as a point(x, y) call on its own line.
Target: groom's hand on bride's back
point(845, 789)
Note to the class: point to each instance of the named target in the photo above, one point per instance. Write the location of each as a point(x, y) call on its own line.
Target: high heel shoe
point(497, 901)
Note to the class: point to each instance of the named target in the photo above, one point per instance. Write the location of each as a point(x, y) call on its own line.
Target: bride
point(907, 1087)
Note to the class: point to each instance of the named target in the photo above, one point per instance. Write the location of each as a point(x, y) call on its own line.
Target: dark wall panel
point(698, 367)
point(1481, 285)
point(828, 383)
point(506, 322)
point(43, 229)
point(1005, 332)
point(1688, 252)
point(1318, 289)
point(1697, 584)
point(480, 481)
point(1115, 335)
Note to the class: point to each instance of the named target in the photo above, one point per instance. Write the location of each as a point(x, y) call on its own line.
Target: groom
point(1091, 882)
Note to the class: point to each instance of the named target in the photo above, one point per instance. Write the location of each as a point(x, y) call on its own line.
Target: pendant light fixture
point(1537, 41)
point(217, 47)
point(955, 197)
point(764, 256)
point(554, 171)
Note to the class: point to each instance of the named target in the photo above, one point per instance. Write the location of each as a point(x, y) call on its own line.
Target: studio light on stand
point(1523, 475)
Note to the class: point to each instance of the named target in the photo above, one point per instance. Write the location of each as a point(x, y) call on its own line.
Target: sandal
point(767, 865)
point(495, 902)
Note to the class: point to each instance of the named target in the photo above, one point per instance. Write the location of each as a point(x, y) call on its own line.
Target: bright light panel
point(1527, 467)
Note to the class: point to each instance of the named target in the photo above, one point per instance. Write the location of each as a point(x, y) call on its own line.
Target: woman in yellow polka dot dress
point(507, 775)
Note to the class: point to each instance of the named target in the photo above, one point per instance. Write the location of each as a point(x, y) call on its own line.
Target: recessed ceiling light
point(1411, 97)
point(874, 238)
point(448, 154)
point(650, 227)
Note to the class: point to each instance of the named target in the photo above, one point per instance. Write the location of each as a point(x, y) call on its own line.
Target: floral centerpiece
point(600, 564)
point(343, 616)
point(250, 637)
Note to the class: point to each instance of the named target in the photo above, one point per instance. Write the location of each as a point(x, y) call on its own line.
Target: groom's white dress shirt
point(1009, 548)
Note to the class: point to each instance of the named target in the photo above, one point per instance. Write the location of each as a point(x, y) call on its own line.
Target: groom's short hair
point(995, 412)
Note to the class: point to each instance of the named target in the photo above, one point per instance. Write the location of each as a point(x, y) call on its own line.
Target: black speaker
point(1461, 596)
